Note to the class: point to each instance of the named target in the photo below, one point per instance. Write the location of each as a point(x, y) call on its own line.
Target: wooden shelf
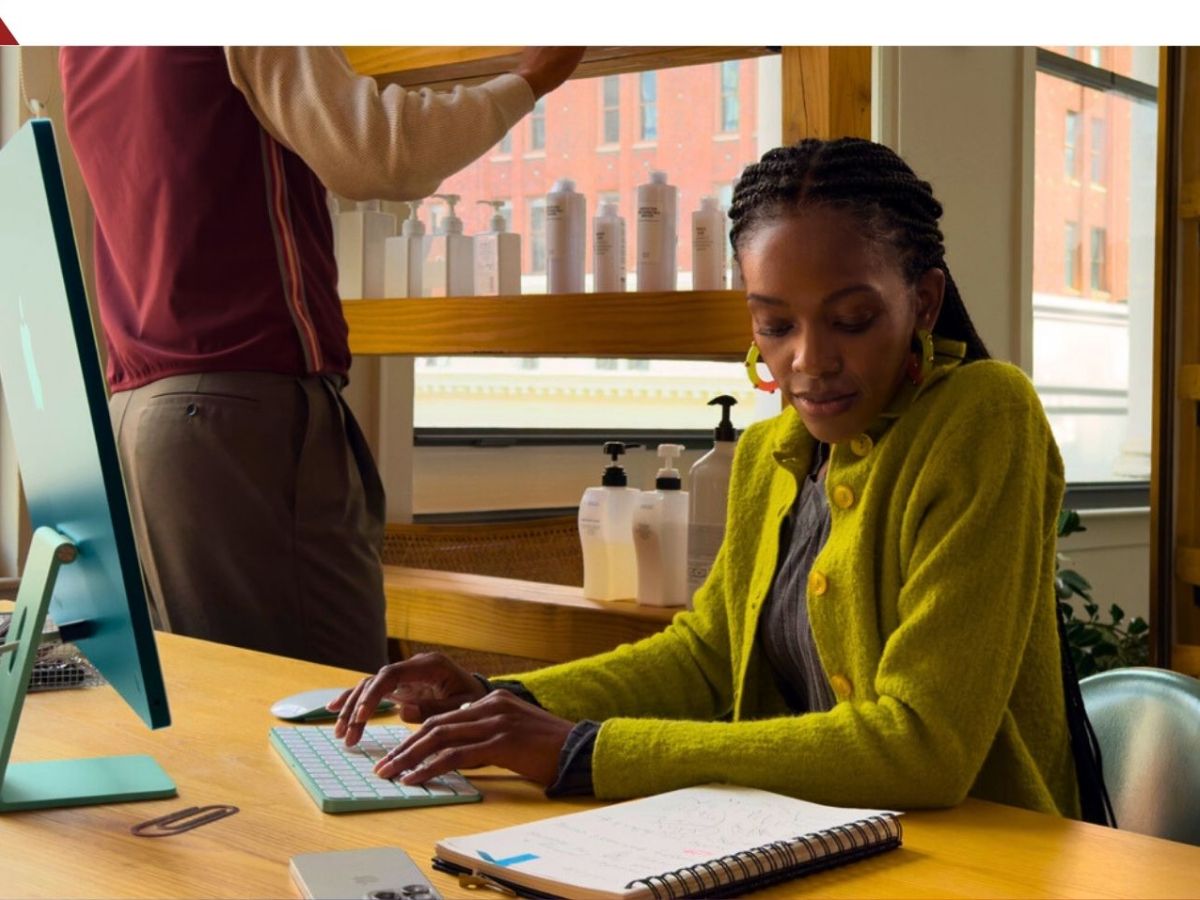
point(503, 615)
point(441, 68)
point(675, 325)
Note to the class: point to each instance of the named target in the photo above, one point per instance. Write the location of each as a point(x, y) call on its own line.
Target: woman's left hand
point(497, 730)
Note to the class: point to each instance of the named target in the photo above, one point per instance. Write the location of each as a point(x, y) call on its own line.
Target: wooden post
point(826, 92)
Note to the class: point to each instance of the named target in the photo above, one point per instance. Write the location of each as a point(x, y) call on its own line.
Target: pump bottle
point(497, 257)
point(606, 533)
point(566, 238)
point(709, 483)
point(608, 250)
point(657, 209)
point(708, 246)
point(404, 257)
point(450, 262)
point(660, 533)
point(361, 239)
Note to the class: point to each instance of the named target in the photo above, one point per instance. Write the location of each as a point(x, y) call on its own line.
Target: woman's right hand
point(423, 686)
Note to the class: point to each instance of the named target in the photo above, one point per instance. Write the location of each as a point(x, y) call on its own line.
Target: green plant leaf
point(1104, 648)
point(1061, 590)
point(1088, 637)
point(1138, 626)
point(1091, 609)
point(1067, 610)
point(1117, 614)
point(1075, 581)
point(1068, 522)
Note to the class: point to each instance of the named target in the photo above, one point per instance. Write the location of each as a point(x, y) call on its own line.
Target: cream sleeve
point(363, 142)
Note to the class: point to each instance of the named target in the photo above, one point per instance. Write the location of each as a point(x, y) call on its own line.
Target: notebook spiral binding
point(751, 869)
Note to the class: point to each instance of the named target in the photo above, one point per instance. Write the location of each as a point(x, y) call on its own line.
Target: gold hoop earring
point(920, 358)
point(752, 361)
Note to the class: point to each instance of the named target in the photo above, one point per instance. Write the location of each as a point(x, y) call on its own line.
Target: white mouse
point(309, 706)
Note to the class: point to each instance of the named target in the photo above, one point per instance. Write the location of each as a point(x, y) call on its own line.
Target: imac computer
point(83, 565)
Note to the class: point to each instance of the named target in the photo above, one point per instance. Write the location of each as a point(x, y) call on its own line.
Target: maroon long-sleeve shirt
point(213, 243)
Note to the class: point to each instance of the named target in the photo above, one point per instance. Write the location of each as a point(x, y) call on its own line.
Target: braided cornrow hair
point(870, 182)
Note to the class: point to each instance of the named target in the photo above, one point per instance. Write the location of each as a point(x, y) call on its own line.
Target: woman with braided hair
point(879, 626)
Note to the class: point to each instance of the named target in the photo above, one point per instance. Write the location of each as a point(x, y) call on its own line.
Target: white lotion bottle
point(657, 210)
point(608, 250)
point(606, 533)
point(708, 246)
point(361, 237)
point(660, 536)
point(497, 257)
point(404, 257)
point(450, 260)
point(566, 238)
point(708, 483)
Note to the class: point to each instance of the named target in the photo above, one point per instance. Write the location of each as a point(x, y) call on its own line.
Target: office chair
point(1147, 722)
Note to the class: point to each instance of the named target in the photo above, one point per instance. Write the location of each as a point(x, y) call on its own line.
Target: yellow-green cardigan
point(932, 608)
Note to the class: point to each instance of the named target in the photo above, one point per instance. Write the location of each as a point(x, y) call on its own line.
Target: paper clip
point(475, 881)
point(182, 820)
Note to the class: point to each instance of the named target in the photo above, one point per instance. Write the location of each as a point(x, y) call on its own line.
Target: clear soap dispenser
point(497, 257)
point(404, 257)
point(708, 480)
point(450, 263)
point(660, 534)
point(606, 533)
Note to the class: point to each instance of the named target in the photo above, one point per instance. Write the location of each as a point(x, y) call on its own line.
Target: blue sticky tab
point(505, 863)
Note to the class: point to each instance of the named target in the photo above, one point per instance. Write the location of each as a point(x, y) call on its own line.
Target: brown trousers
point(258, 513)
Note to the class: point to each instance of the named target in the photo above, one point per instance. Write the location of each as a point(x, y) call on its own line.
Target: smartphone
point(376, 873)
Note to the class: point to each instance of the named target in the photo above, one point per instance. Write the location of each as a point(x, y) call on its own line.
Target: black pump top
point(724, 430)
point(614, 475)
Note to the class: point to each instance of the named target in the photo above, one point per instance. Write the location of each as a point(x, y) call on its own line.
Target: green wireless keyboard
point(341, 779)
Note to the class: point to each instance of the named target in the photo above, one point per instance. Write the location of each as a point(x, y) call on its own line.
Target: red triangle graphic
point(6, 36)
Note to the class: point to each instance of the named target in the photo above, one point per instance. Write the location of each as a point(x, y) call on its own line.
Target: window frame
point(648, 108)
point(608, 108)
point(1080, 495)
point(729, 94)
point(537, 129)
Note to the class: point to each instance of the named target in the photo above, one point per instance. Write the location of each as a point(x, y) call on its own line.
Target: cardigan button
point(861, 445)
point(818, 583)
point(843, 496)
point(842, 689)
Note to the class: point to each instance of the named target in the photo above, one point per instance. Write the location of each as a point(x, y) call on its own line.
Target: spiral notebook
point(709, 841)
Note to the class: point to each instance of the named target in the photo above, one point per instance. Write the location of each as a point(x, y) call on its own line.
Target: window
point(1096, 150)
point(504, 148)
point(1071, 145)
point(1095, 56)
point(537, 126)
point(1098, 259)
point(648, 106)
point(730, 83)
point(1093, 327)
point(1071, 262)
point(611, 109)
point(566, 394)
point(537, 234)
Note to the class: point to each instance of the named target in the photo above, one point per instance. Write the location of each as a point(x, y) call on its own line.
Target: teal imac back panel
point(54, 391)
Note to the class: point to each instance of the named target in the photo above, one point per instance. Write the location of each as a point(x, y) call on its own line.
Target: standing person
point(878, 629)
point(257, 506)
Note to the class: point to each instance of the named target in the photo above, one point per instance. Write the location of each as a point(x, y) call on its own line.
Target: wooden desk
point(503, 615)
point(217, 752)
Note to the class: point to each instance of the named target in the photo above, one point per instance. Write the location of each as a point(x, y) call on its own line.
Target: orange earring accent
point(752, 361)
point(920, 360)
